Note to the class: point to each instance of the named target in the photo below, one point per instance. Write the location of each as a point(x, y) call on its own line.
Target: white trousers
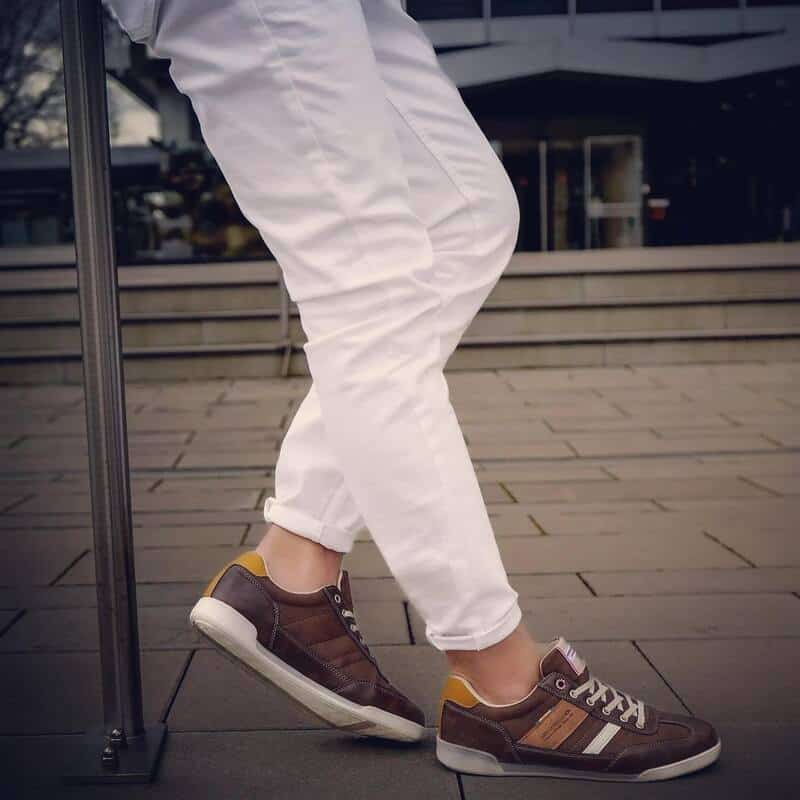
point(392, 218)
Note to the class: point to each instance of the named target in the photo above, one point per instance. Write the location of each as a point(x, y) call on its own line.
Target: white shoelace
point(349, 615)
point(353, 625)
point(598, 690)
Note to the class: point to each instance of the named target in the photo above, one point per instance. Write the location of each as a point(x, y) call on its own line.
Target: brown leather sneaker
point(570, 726)
point(308, 645)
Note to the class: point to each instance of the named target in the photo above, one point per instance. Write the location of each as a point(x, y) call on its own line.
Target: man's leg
point(459, 190)
point(461, 193)
point(292, 105)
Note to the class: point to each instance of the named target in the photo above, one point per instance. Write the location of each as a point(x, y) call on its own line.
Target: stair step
point(494, 321)
point(262, 360)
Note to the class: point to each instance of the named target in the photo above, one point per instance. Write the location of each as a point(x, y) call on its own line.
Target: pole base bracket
point(136, 762)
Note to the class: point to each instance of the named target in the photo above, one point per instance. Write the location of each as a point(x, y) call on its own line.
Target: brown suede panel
point(245, 592)
point(463, 727)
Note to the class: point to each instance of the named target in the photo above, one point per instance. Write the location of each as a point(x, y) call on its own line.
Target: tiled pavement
point(649, 514)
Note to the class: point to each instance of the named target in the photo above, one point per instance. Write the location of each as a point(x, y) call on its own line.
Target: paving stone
point(632, 489)
point(585, 510)
point(147, 594)
point(494, 493)
point(505, 431)
point(780, 484)
point(526, 379)
point(642, 444)
point(757, 761)
point(189, 535)
point(762, 546)
point(163, 565)
point(663, 617)
point(499, 451)
point(24, 597)
point(733, 680)
point(261, 437)
point(695, 581)
point(539, 472)
point(275, 764)
point(229, 459)
point(555, 521)
point(153, 519)
point(513, 524)
point(773, 513)
point(367, 590)
point(217, 694)
point(197, 500)
point(775, 463)
point(365, 561)
point(613, 552)
point(69, 629)
point(562, 585)
point(72, 702)
point(183, 483)
point(40, 558)
point(8, 615)
point(383, 622)
point(645, 422)
point(552, 412)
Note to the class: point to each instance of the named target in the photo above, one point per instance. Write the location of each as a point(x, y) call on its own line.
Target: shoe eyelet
point(561, 684)
point(572, 694)
point(639, 727)
point(605, 711)
point(590, 702)
point(337, 598)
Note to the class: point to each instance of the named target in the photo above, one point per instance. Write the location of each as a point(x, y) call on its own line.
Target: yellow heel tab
point(457, 690)
point(250, 560)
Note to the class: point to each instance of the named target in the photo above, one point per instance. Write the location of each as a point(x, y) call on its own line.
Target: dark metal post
point(124, 749)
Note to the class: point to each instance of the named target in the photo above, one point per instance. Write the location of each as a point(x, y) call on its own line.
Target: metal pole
point(122, 748)
point(487, 21)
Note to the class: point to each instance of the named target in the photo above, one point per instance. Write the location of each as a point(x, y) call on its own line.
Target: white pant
point(392, 218)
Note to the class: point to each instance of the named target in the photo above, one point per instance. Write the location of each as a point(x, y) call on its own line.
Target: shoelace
point(349, 615)
point(598, 691)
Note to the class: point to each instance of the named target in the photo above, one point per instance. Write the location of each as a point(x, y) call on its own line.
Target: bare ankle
point(296, 563)
point(503, 673)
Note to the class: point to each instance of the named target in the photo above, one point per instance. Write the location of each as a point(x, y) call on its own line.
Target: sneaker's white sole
point(236, 636)
point(477, 762)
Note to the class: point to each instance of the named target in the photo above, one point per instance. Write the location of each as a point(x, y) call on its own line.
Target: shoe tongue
point(562, 658)
point(344, 588)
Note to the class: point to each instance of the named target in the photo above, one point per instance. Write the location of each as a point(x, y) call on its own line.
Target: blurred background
point(623, 124)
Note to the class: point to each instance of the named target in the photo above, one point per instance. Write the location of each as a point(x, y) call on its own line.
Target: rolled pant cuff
point(483, 639)
point(307, 526)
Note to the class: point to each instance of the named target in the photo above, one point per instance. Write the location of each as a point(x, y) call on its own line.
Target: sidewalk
point(649, 514)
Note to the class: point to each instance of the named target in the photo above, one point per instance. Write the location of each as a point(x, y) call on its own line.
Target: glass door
point(613, 191)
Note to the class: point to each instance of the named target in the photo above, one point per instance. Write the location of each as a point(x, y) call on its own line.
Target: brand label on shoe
point(555, 727)
point(574, 660)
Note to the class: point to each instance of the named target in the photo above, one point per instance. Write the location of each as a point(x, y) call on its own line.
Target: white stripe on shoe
point(598, 744)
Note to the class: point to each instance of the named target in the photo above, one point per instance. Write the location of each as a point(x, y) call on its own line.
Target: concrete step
point(616, 306)
point(496, 319)
point(641, 274)
point(260, 360)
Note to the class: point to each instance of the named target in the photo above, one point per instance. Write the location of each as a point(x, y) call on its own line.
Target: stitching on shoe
point(313, 655)
point(490, 722)
point(269, 598)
